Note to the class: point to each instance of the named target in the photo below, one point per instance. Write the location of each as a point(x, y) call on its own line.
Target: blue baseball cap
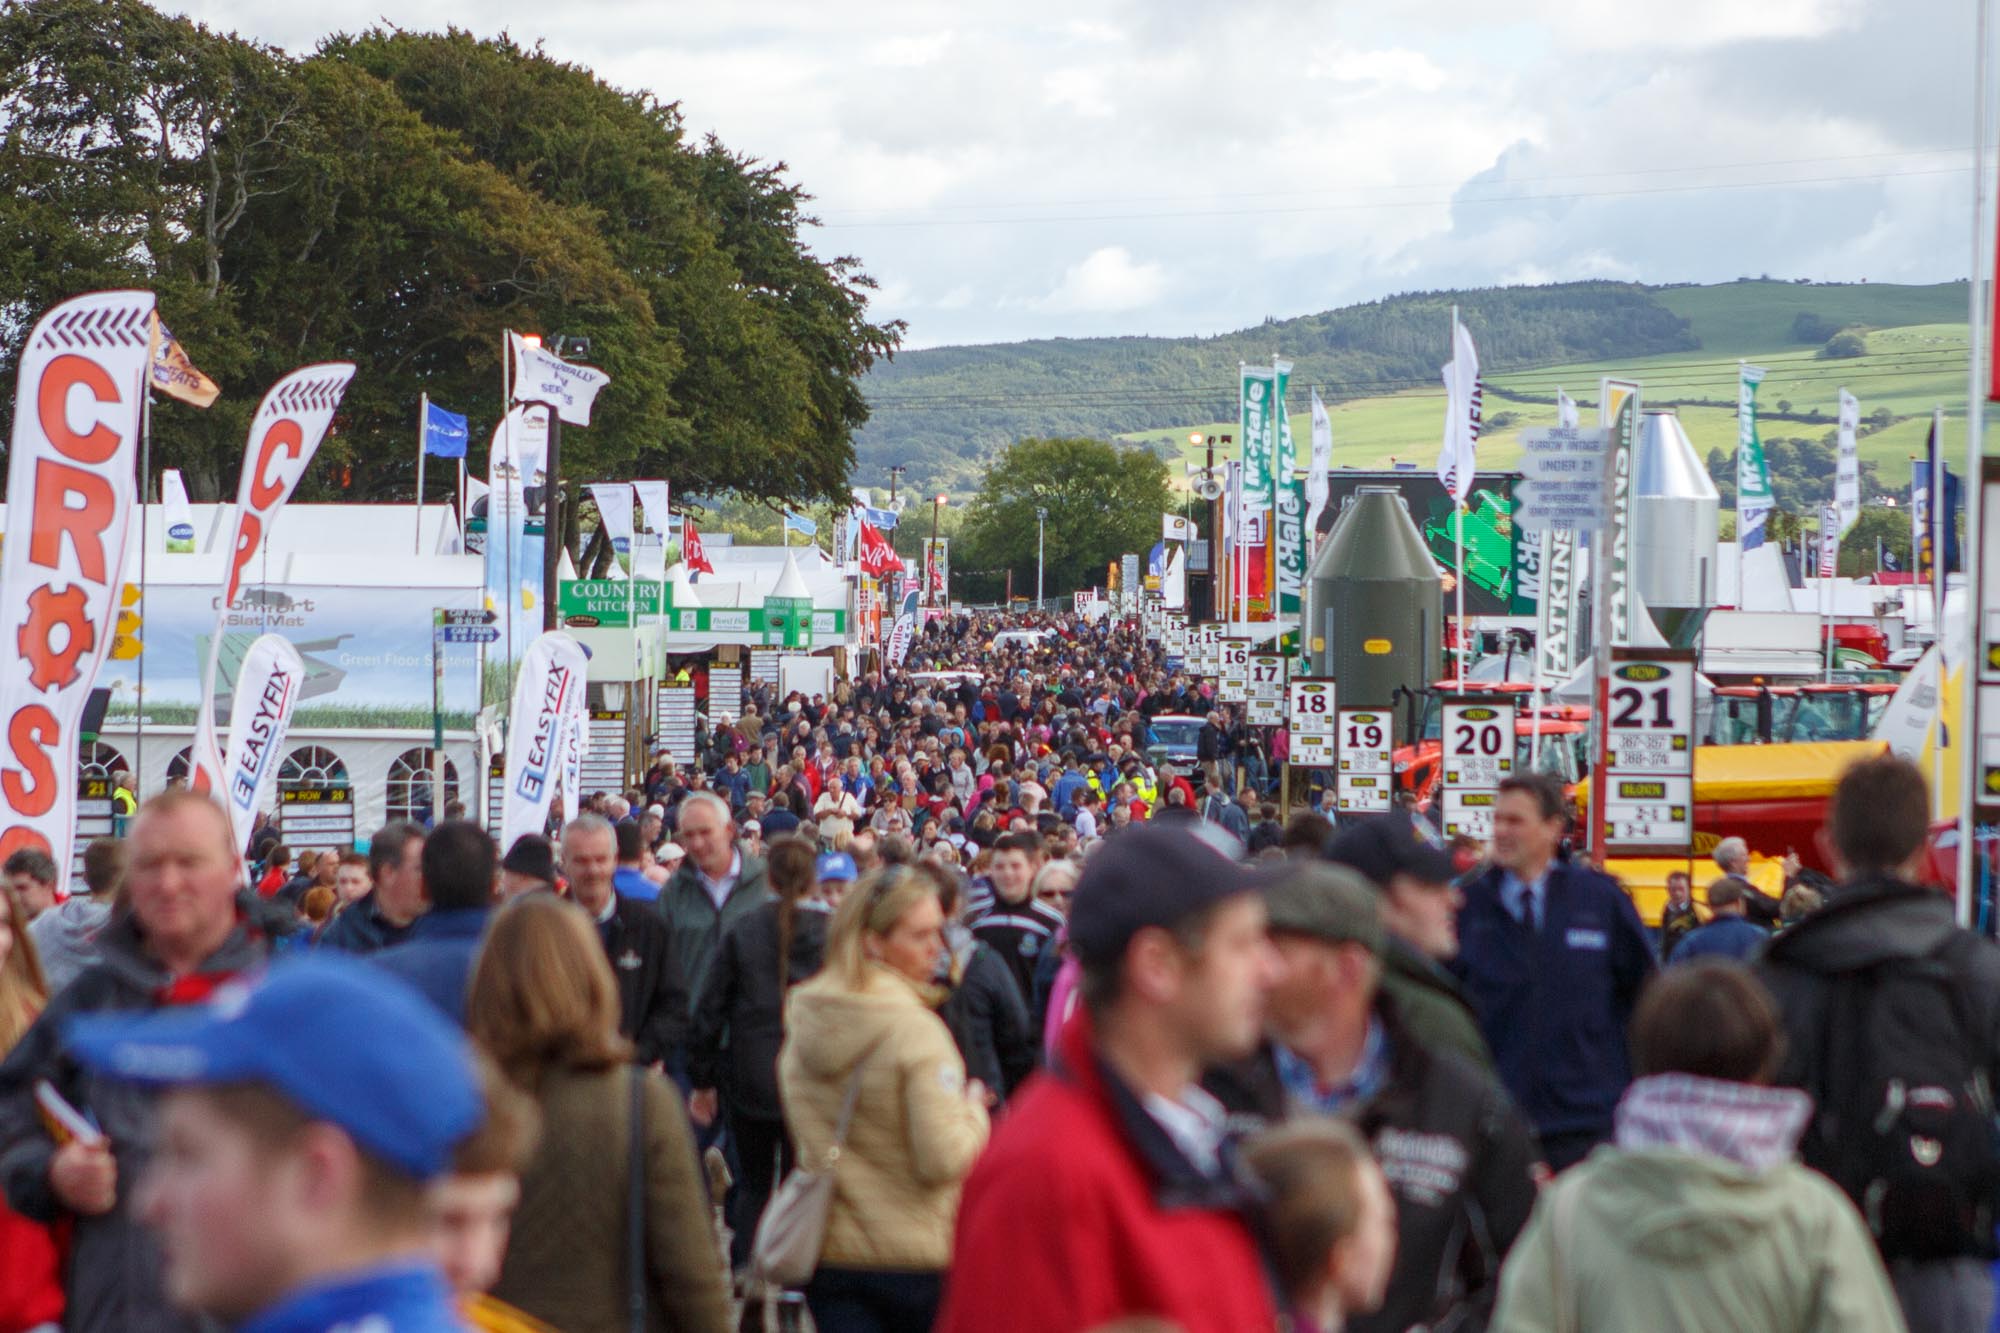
point(837, 865)
point(342, 1040)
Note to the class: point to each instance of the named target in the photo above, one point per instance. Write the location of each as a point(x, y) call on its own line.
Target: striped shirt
point(1019, 933)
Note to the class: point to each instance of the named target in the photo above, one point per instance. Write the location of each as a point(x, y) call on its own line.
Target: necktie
point(1528, 906)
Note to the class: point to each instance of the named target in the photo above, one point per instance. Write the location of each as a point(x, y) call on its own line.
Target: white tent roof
point(791, 583)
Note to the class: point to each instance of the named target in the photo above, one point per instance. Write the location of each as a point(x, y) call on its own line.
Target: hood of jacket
point(1867, 921)
point(72, 926)
point(830, 1024)
point(1681, 1208)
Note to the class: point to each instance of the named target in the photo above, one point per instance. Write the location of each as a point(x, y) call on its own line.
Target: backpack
point(1904, 1119)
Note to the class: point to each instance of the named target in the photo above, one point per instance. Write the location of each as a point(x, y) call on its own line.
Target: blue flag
point(800, 524)
point(444, 433)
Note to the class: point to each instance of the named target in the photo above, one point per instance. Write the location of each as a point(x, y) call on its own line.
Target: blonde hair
point(543, 996)
point(23, 988)
point(878, 900)
point(1310, 1172)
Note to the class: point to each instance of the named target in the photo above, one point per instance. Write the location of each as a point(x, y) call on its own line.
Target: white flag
point(900, 637)
point(540, 376)
point(260, 713)
point(539, 737)
point(1317, 489)
point(651, 562)
point(1847, 476)
point(1173, 584)
point(1176, 528)
point(614, 510)
point(1566, 416)
point(1458, 459)
point(178, 513)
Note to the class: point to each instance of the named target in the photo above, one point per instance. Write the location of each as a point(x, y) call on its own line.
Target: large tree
point(1103, 501)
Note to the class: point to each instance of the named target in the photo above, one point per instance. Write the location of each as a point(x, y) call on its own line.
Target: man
point(1892, 1023)
point(865, 849)
point(1014, 924)
point(1732, 857)
point(1218, 809)
point(528, 867)
point(718, 884)
point(1679, 916)
point(123, 803)
point(1420, 906)
point(437, 957)
point(652, 998)
point(31, 874)
point(1728, 934)
point(1459, 1158)
point(181, 938)
point(836, 873)
point(384, 917)
point(351, 881)
point(1103, 1194)
point(630, 878)
point(301, 1119)
point(1086, 815)
point(66, 936)
point(1552, 957)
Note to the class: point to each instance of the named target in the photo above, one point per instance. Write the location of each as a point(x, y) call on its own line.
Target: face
point(1423, 913)
point(35, 896)
point(351, 883)
point(1522, 839)
point(213, 1201)
point(590, 859)
point(1012, 871)
point(706, 835)
point(1224, 987)
point(181, 877)
point(399, 888)
point(1364, 1260)
point(1677, 889)
point(911, 946)
point(470, 1217)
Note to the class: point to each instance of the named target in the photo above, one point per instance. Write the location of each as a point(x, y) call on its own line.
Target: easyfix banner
point(260, 713)
point(548, 699)
point(70, 489)
point(290, 423)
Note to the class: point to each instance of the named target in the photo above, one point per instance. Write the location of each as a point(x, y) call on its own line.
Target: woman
point(917, 1125)
point(739, 1024)
point(544, 1005)
point(31, 1290)
point(1701, 1217)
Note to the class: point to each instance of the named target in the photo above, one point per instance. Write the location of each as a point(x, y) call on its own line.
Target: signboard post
point(1233, 672)
point(1649, 753)
point(1266, 705)
point(1365, 769)
point(1478, 741)
point(1313, 718)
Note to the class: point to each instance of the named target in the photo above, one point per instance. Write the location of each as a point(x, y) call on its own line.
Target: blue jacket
point(1554, 1004)
point(1724, 937)
point(631, 882)
point(398, 1298)
point(437, 957)
point(1067, 786)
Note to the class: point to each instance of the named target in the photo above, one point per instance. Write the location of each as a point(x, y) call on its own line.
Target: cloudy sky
point(1023, 169)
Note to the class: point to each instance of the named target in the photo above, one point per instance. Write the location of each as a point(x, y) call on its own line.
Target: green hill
point(943, 412)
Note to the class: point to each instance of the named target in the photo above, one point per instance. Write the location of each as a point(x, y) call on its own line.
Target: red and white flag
point(878, 557)
point(691, 553)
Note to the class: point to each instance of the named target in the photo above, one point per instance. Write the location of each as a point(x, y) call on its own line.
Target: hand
point(703, 1105)
point(85, 1177)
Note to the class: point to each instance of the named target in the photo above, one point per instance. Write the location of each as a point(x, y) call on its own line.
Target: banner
point(1829, 540)
point(937, 571)
point(1322, 463)
point(877, 556)
point(1847, 476)
point(1566, 414)
point(575, 731)
point(899, 638)
point(540, 376)
point(517, 455)
point(267, 690)
point(691, 552)
point(70, 491)
point(1458, 458)
point(178, 513)
point(444, 432)
point(171, 372)
point(1290, 547)
point(614, 513)
point(1173, 584)
point(1558, 605)
point(1258, 389)
point(649, 548)
point(1176, 528)
point(1618, 409)
point(547, 699)
point(290, 423)
point(800, 524)
point(1753, 479)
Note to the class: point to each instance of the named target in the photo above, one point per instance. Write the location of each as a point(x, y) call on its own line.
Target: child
point(1329, 1221)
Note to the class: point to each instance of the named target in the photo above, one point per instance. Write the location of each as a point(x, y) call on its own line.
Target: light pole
point(1041, 518)
point(931, 579)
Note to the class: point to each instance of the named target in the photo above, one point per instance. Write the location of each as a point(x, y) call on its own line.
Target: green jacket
point(694, 921)
point(1664, 1241)
point(1432, 1007)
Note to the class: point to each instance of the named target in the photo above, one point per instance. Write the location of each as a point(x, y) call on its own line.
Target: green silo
point(1375, 617)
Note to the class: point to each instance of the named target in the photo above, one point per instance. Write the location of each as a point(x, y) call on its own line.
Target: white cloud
point(1107, 280)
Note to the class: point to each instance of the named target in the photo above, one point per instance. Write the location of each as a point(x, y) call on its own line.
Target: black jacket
point(1461, 1163)
point(988, 1017)
point(361, 929)
point(115, 1268)
point(1760, 907)
point(652, 997)
point(739, 1016)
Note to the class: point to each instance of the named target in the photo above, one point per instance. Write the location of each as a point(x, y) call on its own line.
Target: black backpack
point(1904, 1117)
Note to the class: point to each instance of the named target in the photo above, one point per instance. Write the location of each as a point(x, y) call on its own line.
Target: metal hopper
point(1375, 615)
point(1675, 512)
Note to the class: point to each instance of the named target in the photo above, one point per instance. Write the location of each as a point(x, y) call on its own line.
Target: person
point(1732, 857)
point(985, 1010)
point(351, 880)
point(31, 875)
point(917, 1123)
point(1679, 917)
point(1104, 1194)
point(652, 998)
point(66, 937)
point(1218, 809)
point(277, 870)
point(835, 872)
point(305, 872)
point(718, 884)
point(288, 1190)
point(1055, 884)
point(1553, 958)
point(123, 803)
point(458, 866)
point(1420, 906)
point(545, 1006)
point(835, 811)
point(1700, 1217)
point(528, 867)
point(1800, 901)
point(1728, 933)
point(31, 1287)
point(1330, 1218)
point(471, 1208)
point(1460, 1159)
point(384, 917)
point(630, 879)
point(1014, 924)
point(182, 937)
point(1892, 1024)
point(739, 1025)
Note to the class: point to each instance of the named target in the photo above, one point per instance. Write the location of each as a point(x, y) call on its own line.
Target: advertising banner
point(614, 510)
point(178, 513)
point(267, 690)
point(548, 702)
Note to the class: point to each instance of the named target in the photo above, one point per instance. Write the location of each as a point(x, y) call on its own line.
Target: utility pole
point(1041, 521)
point(895, 475)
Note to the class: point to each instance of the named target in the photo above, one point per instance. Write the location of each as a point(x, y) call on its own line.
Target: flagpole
point(1975, 482)
point(1740, 363)
point(1458, 519)
point(1826, 579)
point(423, 415)
point(1938, 566)
point(145, 533)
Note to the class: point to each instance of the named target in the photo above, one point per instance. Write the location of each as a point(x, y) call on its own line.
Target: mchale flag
point(70, 488)
point(691, 553)
point(1753, 480)
point(1458, 459)
point(171, 373)
point(878, 557)
point(444, 432)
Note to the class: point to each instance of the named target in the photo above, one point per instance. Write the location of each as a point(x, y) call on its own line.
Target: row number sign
point(1649, 752)
point(1313, 720)
point(1365, 768)
point(1266, 706)
point(1478, 740)
point(1233, 673)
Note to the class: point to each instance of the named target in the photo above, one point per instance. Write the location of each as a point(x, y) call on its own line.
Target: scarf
point(1756, 1128)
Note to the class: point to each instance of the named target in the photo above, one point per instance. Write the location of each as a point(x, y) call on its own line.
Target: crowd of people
point(952, 1001)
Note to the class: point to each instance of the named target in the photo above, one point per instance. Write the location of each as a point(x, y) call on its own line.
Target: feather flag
point(1458, 459)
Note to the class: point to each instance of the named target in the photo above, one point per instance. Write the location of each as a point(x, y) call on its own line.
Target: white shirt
point(1195, 1122)
point(1086, 825)
point(718, 890)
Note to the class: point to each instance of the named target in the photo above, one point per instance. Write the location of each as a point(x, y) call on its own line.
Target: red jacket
point(31, 1290)
point(1070, 1220)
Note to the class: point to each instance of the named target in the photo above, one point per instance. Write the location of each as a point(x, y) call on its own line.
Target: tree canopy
point(399, 200)
point(1103, 501)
